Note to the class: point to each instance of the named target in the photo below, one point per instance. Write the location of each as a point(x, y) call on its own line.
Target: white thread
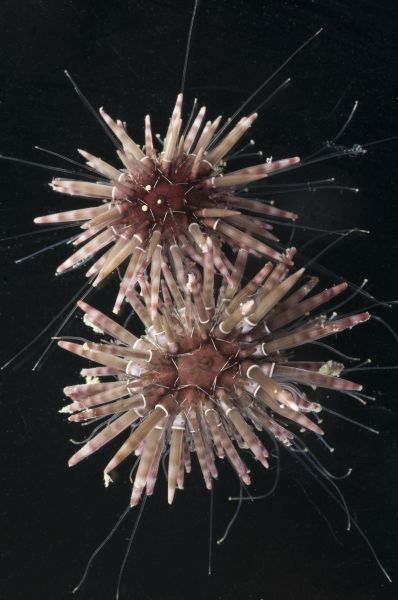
point(144, 401)
point(166, 412)
point(247, 320)
point(248, 371)
point(256, 390)
point(272, 367)
point(221, 328)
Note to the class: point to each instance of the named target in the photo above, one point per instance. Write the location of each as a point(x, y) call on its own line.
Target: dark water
point(128, 57)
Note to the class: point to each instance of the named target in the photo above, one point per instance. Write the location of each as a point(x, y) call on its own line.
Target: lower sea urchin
point(206, 374)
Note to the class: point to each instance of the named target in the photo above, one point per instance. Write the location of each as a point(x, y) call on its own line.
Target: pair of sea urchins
point(216, 364)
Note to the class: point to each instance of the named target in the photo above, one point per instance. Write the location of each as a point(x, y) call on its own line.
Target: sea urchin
point(178, 195)
point(205, 373)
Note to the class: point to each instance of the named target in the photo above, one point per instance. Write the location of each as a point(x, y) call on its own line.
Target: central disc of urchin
point(200, 367)
point(161, 203)
point(164, 198)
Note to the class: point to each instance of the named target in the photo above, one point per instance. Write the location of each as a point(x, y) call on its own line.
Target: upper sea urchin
point(175, 196)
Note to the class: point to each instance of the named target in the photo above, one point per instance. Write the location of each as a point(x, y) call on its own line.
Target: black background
point(128, 57)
